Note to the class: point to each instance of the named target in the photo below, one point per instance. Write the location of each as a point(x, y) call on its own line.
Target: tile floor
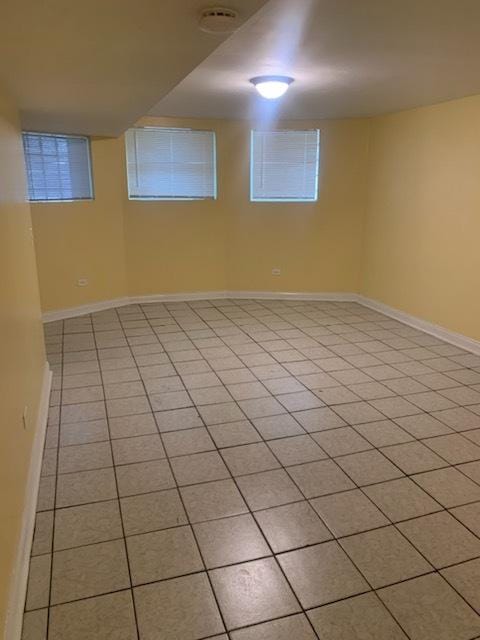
point(257, 470)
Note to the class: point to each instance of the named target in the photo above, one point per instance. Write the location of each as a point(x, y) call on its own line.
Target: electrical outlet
point(82, 282)
point(276, 271)
point(24, 417)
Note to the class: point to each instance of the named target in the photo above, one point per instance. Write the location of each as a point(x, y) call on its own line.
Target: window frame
point(317, 167)
point(89, 167)
point(177, 198)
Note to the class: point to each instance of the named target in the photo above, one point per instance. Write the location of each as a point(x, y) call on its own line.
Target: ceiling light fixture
point(271, 87)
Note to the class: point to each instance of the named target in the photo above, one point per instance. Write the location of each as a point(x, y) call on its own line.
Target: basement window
point(58, 167)
point(171, 164)
point(284, 166)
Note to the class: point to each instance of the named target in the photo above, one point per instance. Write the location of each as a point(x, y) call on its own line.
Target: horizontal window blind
point(284, 165)
point(58, 167)
point(170, 164)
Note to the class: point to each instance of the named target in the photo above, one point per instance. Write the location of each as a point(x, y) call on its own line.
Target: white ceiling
point(348, 57)
point(96, 66)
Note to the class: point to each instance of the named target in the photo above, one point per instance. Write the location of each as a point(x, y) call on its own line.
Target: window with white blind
point(171, 164)
point(58, 167)
point(284, 166)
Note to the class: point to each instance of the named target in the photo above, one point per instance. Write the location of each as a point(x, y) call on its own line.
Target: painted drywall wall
point(229, 243)
point(21, 343)
point(421, 249)
point(234, 244)
point(85, 239)
point(179, 246)
point(316, 246)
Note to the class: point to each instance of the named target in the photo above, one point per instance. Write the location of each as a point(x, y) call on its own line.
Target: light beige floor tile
point(358, 413)
point(178, 419)
point(362, 617)
point(178, 608)
point(320, 478)
point(87, 524)
point(348, 512)
point(170, 400)
point(383, 433)
point(143, 477)
point(46, 494)
point(111, 615)
point(138, 449)
point(395, 407)
point(83, 487)
point(413, 457)
point(199, 467)
point(458, 419)
point(220, 413)
point(212, 500)
point(129, 426)
point(318, 419)
point(465, 578)
point(454, 448)
point(401, 499)
point(430, 401)
point(89, 571)
point(164, 385)
point(384, 556)
point(299, 401)
point(234, 433)
point(441, 539)
point(82, 394)
point(83, 432)
point(448, 487)
point(296, 450)
point(278, 426)
point(83, 457)
point(163, 554)
point(261, 407)
point(43, 534)
point(292, 526)
point(127, 406)
point(35, 625)
point(187, 441)
point(252, 592)
point(295, 626)
point(38, 582)
point(368, 467)
point(469, 515)
point(321, 574)
point(83, 412)
point(337, 442)
point(249, 458)
point(230, 540)
point(152, 511)
point(247, 390)
point(268, 489)
point(429, 609)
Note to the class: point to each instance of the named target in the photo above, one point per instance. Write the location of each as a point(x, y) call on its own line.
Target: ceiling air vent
point(218, 20)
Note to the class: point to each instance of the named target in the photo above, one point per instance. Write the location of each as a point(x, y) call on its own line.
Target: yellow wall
point(84, 239)
point(21, 343)
point(316, 245)
point(423, 218)
point(229, 243)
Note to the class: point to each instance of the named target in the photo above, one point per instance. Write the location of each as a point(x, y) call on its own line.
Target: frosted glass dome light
point(271, 87)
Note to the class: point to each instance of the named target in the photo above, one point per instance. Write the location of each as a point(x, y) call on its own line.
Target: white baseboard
point(291, 295)
point(457, 339)
point(178, 297)
point(73, 312)
point(19, 579)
